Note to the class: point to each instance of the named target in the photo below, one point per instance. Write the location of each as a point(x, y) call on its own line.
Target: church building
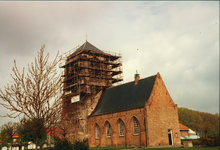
point(98, 107)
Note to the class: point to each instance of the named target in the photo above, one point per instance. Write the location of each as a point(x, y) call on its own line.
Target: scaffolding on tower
point(87, 71)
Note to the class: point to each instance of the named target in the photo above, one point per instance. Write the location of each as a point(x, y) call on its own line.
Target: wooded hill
point(203, 123)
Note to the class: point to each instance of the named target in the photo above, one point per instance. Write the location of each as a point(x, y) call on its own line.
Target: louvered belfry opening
point(86, 71)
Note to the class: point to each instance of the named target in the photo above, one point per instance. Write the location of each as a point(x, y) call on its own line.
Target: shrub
point(195, 142)
point(81, 145)
point(48, 148)
point(210, 141)
point(63, 145)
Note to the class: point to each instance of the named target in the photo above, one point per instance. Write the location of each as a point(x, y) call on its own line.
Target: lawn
point(181, 148)
point(110, 148)
point(167, 148)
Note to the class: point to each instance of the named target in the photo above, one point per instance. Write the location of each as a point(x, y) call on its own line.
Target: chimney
point(136, 77)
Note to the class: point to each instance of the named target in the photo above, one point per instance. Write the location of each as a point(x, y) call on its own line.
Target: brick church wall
point(129, 139)
point(162, 115)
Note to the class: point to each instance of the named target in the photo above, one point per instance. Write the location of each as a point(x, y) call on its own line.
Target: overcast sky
point(180, 40)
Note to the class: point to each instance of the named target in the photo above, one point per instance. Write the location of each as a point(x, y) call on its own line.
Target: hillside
point(203, 123)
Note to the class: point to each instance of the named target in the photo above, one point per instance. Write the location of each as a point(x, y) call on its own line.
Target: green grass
point(167, 148)
point(180, 148)
point(109, 148)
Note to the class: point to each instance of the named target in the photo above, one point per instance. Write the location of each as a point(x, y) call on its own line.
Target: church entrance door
point(170, 137)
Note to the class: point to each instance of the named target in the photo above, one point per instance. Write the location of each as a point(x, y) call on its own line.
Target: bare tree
point(36, 94)
point(7, 132)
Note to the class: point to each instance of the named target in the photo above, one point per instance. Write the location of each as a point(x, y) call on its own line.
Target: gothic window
point(97, 131)
point(108, 130)
point(135, 123)
point(121, 128)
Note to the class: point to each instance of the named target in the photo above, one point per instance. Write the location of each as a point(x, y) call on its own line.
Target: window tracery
point(121, 128)
point(135, 125)
point(97, 131)
point(108, 130)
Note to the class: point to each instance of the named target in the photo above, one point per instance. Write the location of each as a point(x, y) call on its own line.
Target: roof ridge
point(131, 82)
point(84, 44)
point(92, 45)
point(88, 46)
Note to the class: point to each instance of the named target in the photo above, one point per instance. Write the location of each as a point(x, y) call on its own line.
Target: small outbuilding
point(187, 133)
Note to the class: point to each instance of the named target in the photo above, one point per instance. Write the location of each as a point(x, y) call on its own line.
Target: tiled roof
point(182, 127)
point(15, 136)
point(88, 46)
point(125, 97)
point(53, 131)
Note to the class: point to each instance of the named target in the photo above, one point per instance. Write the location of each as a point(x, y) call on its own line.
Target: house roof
point(125, 97)
point(54, 131)
point(182, 127)
point(15, 136)
point(88, 46)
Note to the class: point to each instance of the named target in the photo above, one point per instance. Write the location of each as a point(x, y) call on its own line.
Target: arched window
point(121, 128)
point(135, 124)
point(97, 131)
point(108, 130)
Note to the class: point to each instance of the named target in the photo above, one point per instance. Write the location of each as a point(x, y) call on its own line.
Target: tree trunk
point(36, 143)
point(11, 143)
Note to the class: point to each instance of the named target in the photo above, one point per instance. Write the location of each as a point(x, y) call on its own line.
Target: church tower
point(87, 71)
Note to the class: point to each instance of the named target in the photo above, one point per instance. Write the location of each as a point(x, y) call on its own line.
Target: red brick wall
point(129, 139)
point(162, 114)
point(184, 132)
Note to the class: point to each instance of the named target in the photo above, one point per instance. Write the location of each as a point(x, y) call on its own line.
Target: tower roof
point(88, 46)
